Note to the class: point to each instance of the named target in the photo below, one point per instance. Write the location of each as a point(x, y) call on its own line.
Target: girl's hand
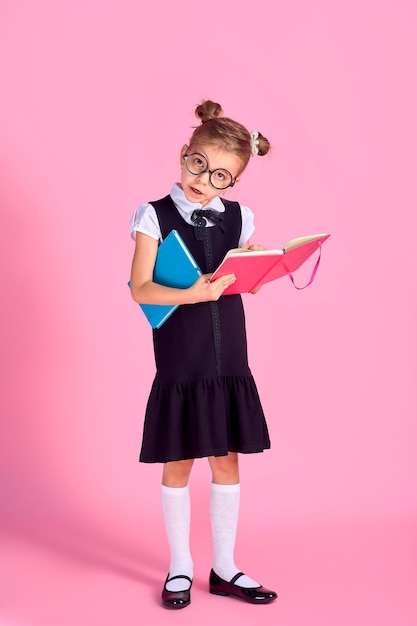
point(256, 247)
point(205, 291)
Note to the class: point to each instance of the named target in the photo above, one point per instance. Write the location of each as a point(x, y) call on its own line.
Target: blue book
point(174, 267)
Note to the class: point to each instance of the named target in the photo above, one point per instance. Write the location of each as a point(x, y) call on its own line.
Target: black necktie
point(215, 216)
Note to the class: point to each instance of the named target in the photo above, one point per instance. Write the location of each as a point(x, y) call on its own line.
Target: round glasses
point(197, 163)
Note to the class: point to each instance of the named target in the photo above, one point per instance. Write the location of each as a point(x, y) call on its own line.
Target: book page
point(293, 243)
point(299, 241)
point(238, 251)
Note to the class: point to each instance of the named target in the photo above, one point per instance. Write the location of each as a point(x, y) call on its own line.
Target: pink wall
point(97, 99)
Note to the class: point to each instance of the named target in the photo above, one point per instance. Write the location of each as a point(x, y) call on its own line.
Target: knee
point(225, 469)
point(177, 473)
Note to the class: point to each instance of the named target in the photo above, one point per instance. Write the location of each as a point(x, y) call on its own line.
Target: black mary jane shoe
point(176, 599)
point(255, 595)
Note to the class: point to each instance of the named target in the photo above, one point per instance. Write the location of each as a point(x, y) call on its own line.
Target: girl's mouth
point(196, 191)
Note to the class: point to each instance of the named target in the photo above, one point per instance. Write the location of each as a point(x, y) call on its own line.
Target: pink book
point(254, 268)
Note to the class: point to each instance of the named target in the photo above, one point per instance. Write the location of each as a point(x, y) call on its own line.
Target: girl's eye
point(221, 176)
point(199, 163)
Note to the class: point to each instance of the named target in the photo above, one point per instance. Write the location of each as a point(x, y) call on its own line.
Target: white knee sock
point(176, 511)
point(224, 511)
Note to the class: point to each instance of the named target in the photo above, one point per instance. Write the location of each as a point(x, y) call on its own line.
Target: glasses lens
point(196, 163)
point(221, 179)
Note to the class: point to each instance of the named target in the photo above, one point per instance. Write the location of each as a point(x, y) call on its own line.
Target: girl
point(204, 401)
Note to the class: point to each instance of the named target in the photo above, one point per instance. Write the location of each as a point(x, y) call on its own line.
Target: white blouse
point(144, 219)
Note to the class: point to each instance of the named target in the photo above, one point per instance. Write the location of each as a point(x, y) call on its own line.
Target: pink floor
point(356, 574)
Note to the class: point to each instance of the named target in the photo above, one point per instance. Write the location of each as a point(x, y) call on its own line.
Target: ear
point(182, 153)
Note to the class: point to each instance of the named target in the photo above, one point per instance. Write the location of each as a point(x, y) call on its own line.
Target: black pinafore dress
point(204, 400)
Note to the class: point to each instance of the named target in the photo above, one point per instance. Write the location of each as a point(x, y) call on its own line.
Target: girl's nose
point(203, 177)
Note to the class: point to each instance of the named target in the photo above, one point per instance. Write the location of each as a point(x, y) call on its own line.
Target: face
point(198, 188)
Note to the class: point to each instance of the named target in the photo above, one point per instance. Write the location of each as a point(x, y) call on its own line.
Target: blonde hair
point(225, 132)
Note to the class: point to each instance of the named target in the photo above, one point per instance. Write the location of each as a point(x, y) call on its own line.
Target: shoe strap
point(168, 580)
point(236, 577)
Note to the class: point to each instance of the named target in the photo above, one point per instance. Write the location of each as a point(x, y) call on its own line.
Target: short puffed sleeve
point(248, 227)
point(144, 220)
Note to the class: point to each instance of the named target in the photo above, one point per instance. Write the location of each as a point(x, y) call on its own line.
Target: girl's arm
point(145, 291)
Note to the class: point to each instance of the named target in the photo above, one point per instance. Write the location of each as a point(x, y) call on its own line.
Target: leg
point(176, 511)
point(177, 473)
point(224, 511)
point(225, 577)
point(225, 469)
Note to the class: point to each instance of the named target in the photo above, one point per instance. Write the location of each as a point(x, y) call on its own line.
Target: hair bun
point(208, 110)
point(263, 145)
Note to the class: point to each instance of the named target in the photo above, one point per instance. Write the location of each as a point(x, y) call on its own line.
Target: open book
point(254, 268)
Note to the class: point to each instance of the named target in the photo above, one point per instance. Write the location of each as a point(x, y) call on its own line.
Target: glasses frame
point(211, 172)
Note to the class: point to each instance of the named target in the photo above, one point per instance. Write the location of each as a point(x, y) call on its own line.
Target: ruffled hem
point(200, 418)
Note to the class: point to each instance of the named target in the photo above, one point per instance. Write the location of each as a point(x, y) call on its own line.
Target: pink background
point(97, 99)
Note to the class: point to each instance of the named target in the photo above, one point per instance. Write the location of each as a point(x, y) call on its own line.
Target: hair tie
point(254, 142)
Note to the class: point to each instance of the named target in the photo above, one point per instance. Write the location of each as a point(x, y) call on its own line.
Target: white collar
point(186, 208)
